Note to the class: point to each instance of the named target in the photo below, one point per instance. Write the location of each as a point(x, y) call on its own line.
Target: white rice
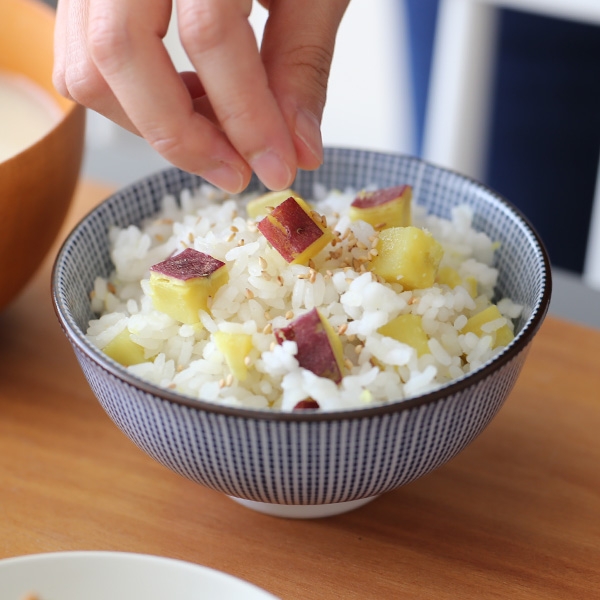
point(379, 369)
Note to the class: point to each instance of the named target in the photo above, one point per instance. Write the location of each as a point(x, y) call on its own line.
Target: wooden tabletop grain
point(515, 515)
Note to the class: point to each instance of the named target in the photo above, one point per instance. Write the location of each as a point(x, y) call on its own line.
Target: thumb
point(297, 50)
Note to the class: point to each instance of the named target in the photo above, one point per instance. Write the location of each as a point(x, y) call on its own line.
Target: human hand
point(242, 110)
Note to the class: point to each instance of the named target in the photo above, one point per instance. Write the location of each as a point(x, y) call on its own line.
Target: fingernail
point(272, 170)
point(226, 177)
point(308, 130)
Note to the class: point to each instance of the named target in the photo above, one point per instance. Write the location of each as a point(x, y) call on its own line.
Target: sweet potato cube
point(407, 329)
point(476, 324)
point(259, 207)
point(450, 277)
point(235, 347)
point(124, 350)
point(319, 346)
point(407, 255)
point(295, 231)
point(183, 284)
point(389, 207)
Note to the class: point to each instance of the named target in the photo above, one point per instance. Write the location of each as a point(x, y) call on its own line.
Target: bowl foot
point(305, 511)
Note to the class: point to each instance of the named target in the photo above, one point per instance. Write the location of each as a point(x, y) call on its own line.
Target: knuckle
point(166, 143)
point(231, 115)
point(108, 40)
point(313, 62)
point(202, 26)
point(81, 83)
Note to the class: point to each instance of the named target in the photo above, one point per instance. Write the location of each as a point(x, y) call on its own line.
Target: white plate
point(117, 576)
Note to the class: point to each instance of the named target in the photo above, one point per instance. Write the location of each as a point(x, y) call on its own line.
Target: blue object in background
point(545, 129)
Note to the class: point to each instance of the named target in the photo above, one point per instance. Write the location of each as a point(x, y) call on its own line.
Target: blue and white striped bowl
point(298, 464)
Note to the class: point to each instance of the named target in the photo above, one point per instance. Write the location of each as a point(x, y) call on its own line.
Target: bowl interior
point(524, 273)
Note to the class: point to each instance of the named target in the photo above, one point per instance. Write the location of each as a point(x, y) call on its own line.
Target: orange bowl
point(37, 184)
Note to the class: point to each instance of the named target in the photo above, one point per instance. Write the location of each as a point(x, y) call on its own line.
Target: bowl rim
point(451, 388)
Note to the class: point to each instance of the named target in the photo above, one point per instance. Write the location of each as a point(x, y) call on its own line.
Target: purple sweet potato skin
point(378, 197)
point(314, 350)
point(296, 230)
point(189, 264)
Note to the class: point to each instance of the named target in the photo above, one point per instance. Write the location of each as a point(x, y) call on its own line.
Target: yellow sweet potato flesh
point(407, 329)
point(450, 277)
point(182, 300)
point(124, 350)
point(500, 337)
point(235, 347)
point(407, 255)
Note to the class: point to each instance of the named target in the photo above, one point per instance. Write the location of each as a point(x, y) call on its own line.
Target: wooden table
point(516, 515)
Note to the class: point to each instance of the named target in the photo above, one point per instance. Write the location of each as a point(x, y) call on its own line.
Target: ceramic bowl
point(293, 464)
point(117, 576)
point(37, 184)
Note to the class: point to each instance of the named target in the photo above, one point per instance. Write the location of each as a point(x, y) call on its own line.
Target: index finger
point(222, 47)
point(126, 45)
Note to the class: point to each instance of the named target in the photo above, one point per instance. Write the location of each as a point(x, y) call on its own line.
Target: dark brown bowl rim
point(518, 345)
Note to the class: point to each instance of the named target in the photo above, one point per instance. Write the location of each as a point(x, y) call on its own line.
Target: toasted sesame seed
point(289, 315)
point(229, 380)
point(358, 349)
point(231, 237)
point(262, 262)
point(249, 294)
point(348, 364)
point(342, 328)
point(268, 328)
point(234, 229)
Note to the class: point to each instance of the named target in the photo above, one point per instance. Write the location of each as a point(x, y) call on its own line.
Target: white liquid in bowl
point(27, 113)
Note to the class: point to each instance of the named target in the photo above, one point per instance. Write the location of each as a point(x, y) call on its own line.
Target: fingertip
point(228, 177)
point(308, 140)
point(273, 170)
